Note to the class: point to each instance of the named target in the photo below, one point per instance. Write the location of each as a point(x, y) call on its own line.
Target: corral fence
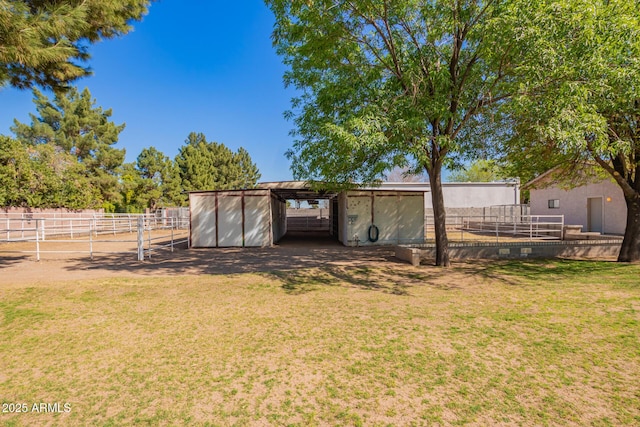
point(500, 228)
point(69, 233)
point(308, 219)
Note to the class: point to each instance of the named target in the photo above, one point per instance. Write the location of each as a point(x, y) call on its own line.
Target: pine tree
point(73, 123)
point(45, 42)
point(160, 179)
point(207, 165)
point(249, 174)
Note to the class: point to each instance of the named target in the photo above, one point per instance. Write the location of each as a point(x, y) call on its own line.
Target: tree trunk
point(439, 217)
point(630, 250)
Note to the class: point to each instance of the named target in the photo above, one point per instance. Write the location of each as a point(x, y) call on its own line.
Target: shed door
point(594, 214)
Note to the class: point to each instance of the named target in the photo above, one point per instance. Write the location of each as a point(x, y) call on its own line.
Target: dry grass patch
point(519, 343)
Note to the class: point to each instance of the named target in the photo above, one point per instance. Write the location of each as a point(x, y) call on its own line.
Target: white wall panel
point(257, 217)
point(203, 220)
point(359, 208)
point(229, 220)
point(410, 219)
point(385, 217)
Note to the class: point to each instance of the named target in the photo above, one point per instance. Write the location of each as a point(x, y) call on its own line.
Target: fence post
point(171, 234)
point(497, 231)
point(113, 220)
point(90, 241)
point(8, 229)
point(149, 234)
point(140, 238)
point(42, 231)
point(71, 227)
point(530, 227)
point(37, 242)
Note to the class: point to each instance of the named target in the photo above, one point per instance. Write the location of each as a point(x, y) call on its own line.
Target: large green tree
point(385, 81)
point(207, 165)
point(42, 176)
point(73, 123)
point(161, 184)
point(45, 42)
point(590, 112)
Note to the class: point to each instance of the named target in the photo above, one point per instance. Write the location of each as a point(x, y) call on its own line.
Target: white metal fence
point(496, 227)
point(96, 234)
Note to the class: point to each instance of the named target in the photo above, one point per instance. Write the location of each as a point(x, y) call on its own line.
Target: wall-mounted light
point(608, 199)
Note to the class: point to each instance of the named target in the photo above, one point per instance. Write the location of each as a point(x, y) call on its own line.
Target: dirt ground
point(293, 252)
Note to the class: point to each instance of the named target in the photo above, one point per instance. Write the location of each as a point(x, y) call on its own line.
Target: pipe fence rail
point(98, 234)
point(490, 227)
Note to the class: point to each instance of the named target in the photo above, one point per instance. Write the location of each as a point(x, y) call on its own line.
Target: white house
point(598, 205)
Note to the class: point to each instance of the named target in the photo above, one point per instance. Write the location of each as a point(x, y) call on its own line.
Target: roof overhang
point(296, 190)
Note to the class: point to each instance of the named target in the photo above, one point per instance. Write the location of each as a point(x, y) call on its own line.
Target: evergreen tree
point(212, 166)
point(45, 42)
point(249, 174)
point(73, 123)
point(160, 179)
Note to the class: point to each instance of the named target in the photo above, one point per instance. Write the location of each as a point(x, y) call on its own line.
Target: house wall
point(231, 218)
point(477, 194)
point(573, 204)
point(397, 215)
point(464, 198)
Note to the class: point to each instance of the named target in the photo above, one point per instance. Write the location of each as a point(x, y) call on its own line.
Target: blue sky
point(189, 67)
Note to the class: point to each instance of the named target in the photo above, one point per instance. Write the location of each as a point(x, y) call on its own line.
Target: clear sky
point(189, 66)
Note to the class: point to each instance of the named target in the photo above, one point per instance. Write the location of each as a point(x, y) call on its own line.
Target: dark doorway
point(307, 239)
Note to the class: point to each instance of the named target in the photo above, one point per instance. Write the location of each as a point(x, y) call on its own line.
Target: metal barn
point(258, 217)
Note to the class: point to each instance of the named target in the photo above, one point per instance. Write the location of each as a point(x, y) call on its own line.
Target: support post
point(171, 234)
point(37, 241)
point(140, 238)
point(90, 241)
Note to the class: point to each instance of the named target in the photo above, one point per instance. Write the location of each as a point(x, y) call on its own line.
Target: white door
point(594, 214)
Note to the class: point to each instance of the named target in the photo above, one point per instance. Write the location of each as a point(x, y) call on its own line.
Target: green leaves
point(390, 83)
point(207, 165)
point(45, 42)
point(78, 128)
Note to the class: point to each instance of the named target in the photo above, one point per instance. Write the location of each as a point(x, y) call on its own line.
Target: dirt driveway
point(290, 254)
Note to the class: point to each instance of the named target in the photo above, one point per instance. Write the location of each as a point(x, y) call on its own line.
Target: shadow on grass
point(392, 279)
point(524, 271)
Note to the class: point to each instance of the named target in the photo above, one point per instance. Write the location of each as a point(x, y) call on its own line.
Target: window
point(554, 204)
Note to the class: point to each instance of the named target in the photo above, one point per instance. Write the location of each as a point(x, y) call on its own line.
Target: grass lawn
point(510, 343)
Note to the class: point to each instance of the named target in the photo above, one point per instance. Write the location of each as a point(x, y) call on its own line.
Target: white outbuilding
point(391, 214)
